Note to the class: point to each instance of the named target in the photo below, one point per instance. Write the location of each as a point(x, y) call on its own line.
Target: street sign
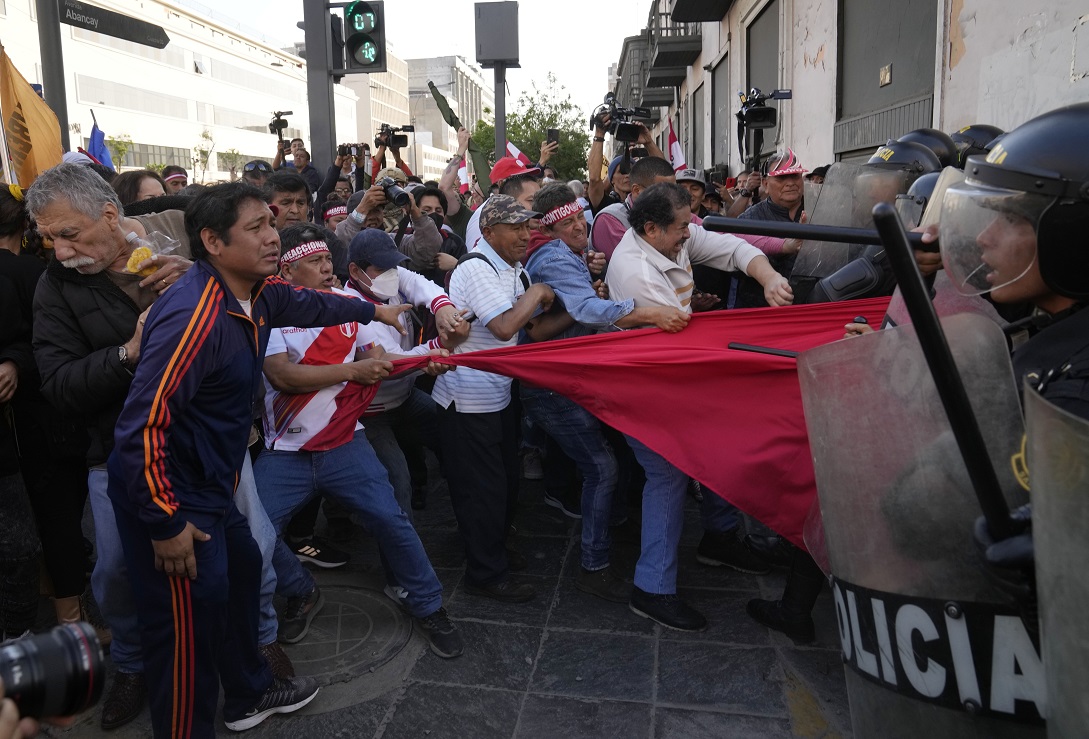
point(94, 18)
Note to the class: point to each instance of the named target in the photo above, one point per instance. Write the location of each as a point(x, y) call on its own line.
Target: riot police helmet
point(974, 139)
point(905, 155)
point(912, 204)
point(937, 141)
point(1023, 208)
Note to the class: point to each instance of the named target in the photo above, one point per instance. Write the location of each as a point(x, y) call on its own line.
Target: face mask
point(438, 219)
point(385, 285)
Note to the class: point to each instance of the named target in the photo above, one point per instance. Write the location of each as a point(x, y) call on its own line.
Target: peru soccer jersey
point(306, 421)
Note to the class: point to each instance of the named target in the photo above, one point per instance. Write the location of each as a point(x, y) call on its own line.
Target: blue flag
point(97, 148)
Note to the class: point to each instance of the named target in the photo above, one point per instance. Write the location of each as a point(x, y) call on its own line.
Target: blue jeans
point(110, 579)
point(717, 515)
point(352, 476)
point(580, 437)
point(663, 518)
point(412, 421)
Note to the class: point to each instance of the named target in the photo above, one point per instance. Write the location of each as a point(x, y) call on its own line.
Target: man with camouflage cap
point(477, 423)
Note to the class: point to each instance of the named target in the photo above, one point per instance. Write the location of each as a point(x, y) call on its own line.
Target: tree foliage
point(119, 146)
point(528, 121)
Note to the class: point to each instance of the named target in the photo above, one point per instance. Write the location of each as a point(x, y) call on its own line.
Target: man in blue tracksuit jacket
point(180, 442)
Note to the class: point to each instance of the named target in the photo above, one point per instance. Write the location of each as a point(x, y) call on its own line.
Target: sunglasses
point(258, 166)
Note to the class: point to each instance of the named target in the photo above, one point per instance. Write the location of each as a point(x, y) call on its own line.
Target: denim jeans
point(717, 515)
point(351, 475)
point(412, 421)
point(663, 518)
point(110, 579)
point(580, 437)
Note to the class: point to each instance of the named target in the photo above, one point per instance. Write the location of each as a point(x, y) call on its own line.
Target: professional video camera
point(756, 114)
point(278, 123)
point(387, 136)
point(58, 673)
point(620, 125)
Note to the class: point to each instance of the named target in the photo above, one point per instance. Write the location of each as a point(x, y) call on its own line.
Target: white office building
point(214, 76)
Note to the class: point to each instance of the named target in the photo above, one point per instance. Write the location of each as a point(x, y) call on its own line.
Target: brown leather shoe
point(278, 661)
point(125, 701)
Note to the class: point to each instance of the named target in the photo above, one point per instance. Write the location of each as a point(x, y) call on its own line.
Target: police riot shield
point(846, 198)
point(1058, 468)
point(931, 645)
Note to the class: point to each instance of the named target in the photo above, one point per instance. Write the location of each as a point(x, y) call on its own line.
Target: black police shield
point(931, 645)
point(846, 198)
point(1058, 468)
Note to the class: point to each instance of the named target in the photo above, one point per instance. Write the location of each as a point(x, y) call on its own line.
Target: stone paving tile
point(544, 554)
point(726, 618)
point(821, 670)
point(692, 574)
point(548, 717)
point(496, 656)
point(531, 613)
point(577, 610)
point(712, 675)
point(595, 666)
point(672, 723)
point(453, 712)
point(360, 720)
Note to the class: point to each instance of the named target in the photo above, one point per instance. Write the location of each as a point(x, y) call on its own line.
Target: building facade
point(214, 86)
point(860, 71)
point(464, 86)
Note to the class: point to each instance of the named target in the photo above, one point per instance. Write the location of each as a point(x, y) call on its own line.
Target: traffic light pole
point(49, 38)
point(319, 82)
point(500, 110)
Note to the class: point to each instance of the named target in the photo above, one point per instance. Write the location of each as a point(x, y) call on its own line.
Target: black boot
point(792, 614)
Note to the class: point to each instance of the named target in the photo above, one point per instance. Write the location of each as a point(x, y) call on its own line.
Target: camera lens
point(394, 193)
point(58, 673)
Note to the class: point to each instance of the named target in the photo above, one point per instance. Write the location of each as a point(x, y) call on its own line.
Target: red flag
point(513, 151)
point(676, 154)
point(463, 177)
point(731, 419)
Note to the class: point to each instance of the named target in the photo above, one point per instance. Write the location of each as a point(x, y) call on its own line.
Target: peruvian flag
point(463, 177)
point(676, 156)
point(514, 152)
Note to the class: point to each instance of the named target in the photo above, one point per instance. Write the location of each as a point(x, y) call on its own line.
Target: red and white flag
point(514, 152)
point(463, 177)
point(676, 156)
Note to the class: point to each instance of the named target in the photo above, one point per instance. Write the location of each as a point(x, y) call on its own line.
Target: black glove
point(1011, 563)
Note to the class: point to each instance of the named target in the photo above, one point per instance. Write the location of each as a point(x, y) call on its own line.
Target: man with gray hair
point(89, 311)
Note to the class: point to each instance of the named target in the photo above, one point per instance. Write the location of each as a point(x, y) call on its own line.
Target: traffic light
point(365, 45)
point(336, 45)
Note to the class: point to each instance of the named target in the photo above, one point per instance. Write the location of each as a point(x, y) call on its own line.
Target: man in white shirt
point(315, 388)
point(652, 265)
point(477, 424)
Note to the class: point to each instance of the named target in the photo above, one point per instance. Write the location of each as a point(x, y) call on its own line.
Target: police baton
point(808, 231)
point(946, 377)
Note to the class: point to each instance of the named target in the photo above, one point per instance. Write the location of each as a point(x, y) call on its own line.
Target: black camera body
point(394, 192)
point(388, 136)
point(620, 125)
point(58, 673)
point(755, 112)
point(278, 123)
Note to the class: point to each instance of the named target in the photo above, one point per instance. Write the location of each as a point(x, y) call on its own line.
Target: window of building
point(173, 55)
point(723, 105)
point(698, 128)
point(762, 60)
point(280, 88)
point(143, 155)
point(94, 91)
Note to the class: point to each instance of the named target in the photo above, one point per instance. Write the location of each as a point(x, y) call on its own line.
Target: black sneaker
point(604, 584)
point(505, 591)
point(773, 550)
point(569, 505)
point(297, 616)
point(283, 696)
point(443, 635)
point(724, 549)
point(667, 609)
point(320, 554)
point(771, 614)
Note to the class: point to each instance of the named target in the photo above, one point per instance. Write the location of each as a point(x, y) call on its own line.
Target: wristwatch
point(123, 357)
point(745, 193)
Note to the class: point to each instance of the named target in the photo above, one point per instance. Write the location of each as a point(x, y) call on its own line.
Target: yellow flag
point(31, 131)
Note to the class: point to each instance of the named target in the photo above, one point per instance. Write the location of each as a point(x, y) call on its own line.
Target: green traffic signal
point(365, 43)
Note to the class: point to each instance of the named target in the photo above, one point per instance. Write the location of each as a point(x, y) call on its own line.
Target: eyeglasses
point(258, 166)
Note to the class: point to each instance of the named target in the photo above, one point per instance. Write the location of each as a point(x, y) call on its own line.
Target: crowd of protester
point(127, 372)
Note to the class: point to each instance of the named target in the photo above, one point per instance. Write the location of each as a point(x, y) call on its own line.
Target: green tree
point(529, 120)
point(156, 167)
point(202, 154)
point(119, 147)
point(232, 160)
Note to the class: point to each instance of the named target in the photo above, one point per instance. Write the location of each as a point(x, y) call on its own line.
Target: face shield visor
point(988, 235)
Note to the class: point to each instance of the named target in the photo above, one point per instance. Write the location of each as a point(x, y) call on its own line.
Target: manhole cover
point(357, 631)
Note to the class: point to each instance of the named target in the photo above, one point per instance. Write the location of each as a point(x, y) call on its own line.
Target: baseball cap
point(393, 172)
point(375, 246)
point(820, 171)
point(76, 157)
point(504, 209)
point(784, 162)
point(691, 175)
point(508, 167)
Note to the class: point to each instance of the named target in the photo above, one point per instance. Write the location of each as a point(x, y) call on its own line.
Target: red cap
point(508, 167)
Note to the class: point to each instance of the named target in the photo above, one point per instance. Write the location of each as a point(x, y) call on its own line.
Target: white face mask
point(385, 285)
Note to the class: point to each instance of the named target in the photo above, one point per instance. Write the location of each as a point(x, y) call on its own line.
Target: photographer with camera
point(344, 175)
point(388, 138)
point(609, 118)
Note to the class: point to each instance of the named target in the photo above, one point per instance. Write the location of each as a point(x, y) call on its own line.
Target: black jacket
point(79, 322)
point(1057, 358)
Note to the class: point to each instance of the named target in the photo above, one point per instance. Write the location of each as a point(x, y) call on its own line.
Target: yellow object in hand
point(140, 254)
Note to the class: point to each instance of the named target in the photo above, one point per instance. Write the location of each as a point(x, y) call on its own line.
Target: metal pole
point(319, 82)
point(946, 377)
point(49, 39)
point(500, 110)
point(787, 230)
